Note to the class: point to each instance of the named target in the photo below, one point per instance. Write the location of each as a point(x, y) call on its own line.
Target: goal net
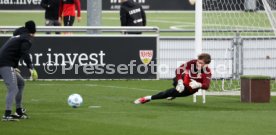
point(241, 37)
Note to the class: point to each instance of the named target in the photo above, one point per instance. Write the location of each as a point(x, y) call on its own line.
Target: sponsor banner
point(93, 57)
point(28, 4)
point(20, 4)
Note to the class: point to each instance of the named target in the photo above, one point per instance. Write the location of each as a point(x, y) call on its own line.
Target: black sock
point(164, 94)
point(8, 112)
point(19, 111)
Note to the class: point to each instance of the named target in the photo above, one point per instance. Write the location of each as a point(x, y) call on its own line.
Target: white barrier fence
point(259, 57)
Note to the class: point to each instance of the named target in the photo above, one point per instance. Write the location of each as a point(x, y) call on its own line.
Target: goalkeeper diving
point(190, 77)
point(17, 47)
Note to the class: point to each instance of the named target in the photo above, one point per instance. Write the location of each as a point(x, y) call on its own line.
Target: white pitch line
point(164, 21)
point(180, 27)
point(94, 107)
point(177, 18)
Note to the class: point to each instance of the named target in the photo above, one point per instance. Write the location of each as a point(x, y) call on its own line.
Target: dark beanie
point(30, 25)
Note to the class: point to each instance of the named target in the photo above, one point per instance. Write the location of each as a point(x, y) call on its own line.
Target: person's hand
point(59, 20)
point(194, 84)
point(180, 86)
point(17, 70)
point(34, 75)
point(79, 19)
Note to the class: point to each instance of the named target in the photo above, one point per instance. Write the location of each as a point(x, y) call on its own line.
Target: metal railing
point(5, 29)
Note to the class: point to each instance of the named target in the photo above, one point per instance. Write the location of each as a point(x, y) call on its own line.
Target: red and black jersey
point(188, 71)
point(68, 8)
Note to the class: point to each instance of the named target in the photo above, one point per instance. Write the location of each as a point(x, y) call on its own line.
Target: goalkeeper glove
point(180, 86)
point(194, 84)
point(17, 70)
point(34, 75)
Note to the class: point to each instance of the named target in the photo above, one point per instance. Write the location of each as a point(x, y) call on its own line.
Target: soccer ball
point(192, 2)
point(75, 100)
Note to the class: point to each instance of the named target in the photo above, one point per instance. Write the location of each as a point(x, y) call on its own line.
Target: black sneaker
point(10, 118)
point(21, 113)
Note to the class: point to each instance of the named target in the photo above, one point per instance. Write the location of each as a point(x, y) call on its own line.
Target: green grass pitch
point(47, 105)
point(162, 20)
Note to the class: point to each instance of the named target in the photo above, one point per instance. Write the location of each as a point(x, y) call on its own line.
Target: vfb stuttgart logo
point(146, 56)
point(119, 1)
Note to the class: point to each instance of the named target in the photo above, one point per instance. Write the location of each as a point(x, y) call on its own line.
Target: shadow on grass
point(219, 106)
point(193, 107)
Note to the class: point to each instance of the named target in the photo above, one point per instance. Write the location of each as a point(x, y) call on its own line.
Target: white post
point(203, 96)
point(198, 27)
point(194, 97)
point(198, 37)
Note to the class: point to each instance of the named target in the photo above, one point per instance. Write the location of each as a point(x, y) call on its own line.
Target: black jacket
point(16, 48)
point(132, 14)
point(51, 8)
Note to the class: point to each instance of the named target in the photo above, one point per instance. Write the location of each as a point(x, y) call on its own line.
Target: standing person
point(51, 13)
point(16, 48)
point(132, 14)
point(67, 11)
point(190, 77)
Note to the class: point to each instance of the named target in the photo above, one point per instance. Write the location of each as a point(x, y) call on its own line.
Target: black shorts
point(68, 20)
point(173, 93)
